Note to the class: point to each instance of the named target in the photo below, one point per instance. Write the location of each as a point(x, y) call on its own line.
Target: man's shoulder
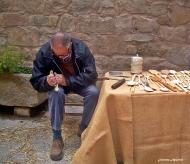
point(45, 47)
point(78, 42)
point(44, 51)
point(79, 46)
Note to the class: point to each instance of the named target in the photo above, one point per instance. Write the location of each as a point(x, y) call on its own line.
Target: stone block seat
point(16, 91)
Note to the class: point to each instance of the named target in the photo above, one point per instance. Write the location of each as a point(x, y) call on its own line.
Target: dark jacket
point(83, 62)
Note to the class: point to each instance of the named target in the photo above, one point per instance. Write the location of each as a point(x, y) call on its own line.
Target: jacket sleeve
point(87, 75)
point(39, 74)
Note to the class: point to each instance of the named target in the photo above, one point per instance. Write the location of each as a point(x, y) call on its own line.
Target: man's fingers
point(51, 79)
point(60, 76)
point(51, 72)
point(54, 78)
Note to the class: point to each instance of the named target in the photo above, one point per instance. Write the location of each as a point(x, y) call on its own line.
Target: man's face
point(60, 51)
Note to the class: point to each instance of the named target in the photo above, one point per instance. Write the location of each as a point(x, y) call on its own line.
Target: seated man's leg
point(56, 102)
point(90, 94)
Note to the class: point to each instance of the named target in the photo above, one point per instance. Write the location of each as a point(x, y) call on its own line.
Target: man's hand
point(51, 79)
point(60, 79)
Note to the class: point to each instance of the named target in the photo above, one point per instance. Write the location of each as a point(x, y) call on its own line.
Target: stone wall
point(158, 30)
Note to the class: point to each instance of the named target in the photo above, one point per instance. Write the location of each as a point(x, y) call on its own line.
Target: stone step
point(23, 111)
point(28, 112)
point(74, 110)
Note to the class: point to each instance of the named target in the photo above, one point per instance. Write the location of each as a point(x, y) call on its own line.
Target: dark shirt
point(68, 68)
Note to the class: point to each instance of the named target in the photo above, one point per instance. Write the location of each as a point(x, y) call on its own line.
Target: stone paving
point(28, 140)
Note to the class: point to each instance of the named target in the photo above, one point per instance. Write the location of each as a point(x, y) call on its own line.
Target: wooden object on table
point(118, 84)
point(168, 85)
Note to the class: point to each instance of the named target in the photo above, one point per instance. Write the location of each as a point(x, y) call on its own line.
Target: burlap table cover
point(137, 128)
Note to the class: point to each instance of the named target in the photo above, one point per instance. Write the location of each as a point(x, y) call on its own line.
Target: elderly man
point(64, 65)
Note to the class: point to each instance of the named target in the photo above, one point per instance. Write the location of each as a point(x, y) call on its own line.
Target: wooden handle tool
point(118, 84)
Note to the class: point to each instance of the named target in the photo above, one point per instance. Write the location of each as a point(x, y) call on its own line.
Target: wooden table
point(137, 128)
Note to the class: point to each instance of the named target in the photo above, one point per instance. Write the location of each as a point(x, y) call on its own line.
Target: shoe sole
point(57, 158)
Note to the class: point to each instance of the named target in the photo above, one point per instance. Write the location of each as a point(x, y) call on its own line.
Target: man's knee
point(93, 91)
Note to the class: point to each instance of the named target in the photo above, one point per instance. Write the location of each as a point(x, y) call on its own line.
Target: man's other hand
point(60, 79)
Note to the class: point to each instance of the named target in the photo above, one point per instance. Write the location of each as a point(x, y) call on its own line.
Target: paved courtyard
point(27, 140)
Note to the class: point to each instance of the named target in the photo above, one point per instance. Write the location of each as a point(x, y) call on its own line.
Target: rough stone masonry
point(115, 30)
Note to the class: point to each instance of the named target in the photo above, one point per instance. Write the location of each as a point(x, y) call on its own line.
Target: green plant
point(27, 70)
point(10, 60)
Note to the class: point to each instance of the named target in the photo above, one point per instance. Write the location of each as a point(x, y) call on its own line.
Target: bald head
point(60, 38)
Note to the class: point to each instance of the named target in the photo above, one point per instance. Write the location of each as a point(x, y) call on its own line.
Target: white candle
point(136, 64)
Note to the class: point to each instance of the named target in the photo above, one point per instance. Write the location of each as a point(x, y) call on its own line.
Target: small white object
point(173, 72)
point(132, 83)
point(148, 89)
point(56, 88)
point(178, 83)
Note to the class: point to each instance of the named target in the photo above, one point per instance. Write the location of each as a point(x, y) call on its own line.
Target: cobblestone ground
point(28, 140)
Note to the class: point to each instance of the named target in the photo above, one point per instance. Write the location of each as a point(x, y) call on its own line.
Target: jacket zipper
point(77, 65)
point(58, 66)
